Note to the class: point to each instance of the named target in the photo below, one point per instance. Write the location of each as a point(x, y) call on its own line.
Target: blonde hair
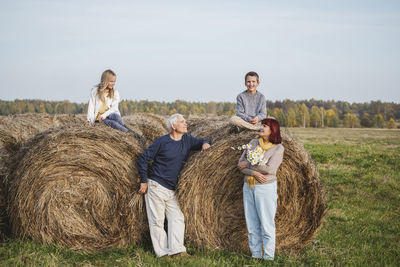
point(105, 79)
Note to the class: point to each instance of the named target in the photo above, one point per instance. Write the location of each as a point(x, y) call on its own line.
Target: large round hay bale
point(210, 194)
point(149, 125)
point(15, 129)
point(4, 226)
point(77, 185)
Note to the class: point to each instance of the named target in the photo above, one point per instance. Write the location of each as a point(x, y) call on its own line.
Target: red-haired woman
point(260, 189)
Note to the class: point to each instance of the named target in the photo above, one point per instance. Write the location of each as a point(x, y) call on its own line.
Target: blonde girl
point(103, 104)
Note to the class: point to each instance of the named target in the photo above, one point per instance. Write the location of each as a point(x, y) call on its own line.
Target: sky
point(201, 50)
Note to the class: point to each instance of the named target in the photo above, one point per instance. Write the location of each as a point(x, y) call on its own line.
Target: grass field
point(360, 173)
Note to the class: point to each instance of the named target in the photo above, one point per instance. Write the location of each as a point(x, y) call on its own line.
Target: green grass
point(360, 174)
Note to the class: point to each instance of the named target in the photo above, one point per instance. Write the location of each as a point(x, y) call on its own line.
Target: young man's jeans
point(115, 121)
point(259, 210)
point(161, 201)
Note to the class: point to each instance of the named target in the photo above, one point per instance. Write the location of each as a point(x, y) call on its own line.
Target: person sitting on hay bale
point(103, 105)
point(168, 153)
point(259, 162)
point(250, 105)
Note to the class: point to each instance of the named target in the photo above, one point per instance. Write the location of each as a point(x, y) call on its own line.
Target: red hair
point(275, 136)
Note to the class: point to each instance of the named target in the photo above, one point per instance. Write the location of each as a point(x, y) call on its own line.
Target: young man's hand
point(254, 120)
point(143, 188)
point(205, 146)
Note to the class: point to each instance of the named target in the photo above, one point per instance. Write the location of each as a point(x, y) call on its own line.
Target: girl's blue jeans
point(115, 121)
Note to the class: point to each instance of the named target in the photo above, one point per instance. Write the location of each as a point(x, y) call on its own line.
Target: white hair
point(172, 120)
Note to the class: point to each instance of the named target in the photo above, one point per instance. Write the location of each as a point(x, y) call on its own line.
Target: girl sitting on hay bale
point(103, 105)
point(259, 162)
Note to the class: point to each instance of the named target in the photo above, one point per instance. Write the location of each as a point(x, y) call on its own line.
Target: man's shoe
point(181, 255)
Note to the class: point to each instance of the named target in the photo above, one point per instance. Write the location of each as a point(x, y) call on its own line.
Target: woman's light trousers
point(259, 208)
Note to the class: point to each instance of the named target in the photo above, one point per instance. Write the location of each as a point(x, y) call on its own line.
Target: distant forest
point(301, 113)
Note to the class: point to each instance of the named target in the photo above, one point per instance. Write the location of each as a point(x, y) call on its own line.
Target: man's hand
point(254, 120)
point(100, 119)
point(143, 188)
point(205, 146)
point(260, 178)
point(241, 165)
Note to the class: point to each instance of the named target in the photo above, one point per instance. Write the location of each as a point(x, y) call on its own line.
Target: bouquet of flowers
point(254, 156)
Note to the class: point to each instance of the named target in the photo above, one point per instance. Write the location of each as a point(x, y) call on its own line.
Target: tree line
point(300, 113)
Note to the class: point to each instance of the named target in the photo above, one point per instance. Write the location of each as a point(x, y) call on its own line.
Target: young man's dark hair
point(252, 73)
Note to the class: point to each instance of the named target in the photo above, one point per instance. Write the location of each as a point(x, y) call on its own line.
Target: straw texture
point(210, 193)
point(77, 185)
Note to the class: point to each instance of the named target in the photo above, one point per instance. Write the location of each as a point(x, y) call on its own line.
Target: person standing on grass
point(250, 105)
point(103, 105)
point(260, 190)
point(168, 154)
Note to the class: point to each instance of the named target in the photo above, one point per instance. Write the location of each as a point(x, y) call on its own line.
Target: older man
point(168, 153)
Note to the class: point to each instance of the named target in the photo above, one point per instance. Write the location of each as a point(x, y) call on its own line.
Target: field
point(360, 173)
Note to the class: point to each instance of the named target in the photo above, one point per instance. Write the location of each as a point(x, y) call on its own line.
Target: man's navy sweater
point(168, 158)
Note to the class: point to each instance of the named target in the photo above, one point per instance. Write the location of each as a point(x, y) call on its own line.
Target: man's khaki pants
point(161, 201)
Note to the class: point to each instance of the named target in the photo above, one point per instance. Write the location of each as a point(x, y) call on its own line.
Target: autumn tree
point(391, 124)
point(378, 121)
point(278, 114)
point(350, 120)
point(331, 118)
point(365, 121)
point(303, 116)
point(315, 117)
point(291, 118)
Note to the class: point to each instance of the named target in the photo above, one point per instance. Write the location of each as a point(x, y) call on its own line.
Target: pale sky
point(201, 50)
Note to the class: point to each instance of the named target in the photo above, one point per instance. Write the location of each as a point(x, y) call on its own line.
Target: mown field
point(360, 173)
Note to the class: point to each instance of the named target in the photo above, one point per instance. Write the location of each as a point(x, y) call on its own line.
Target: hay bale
point(210, 194)
point(4, 226)
point(15, 129)
point(149, 125)
point(77, 185)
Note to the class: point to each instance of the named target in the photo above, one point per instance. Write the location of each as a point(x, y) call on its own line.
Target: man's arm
point(197, 143)
point(145, 158)
point(262, 112)
point(240, 109)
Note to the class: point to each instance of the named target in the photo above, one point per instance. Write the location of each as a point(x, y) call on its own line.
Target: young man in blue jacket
point(168, 154)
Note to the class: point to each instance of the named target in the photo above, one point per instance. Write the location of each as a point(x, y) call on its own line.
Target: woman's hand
point(241, 165)
point(100, 119)
point(259, 177)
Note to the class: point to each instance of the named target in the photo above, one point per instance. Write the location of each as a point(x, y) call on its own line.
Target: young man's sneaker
point(236, 129)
